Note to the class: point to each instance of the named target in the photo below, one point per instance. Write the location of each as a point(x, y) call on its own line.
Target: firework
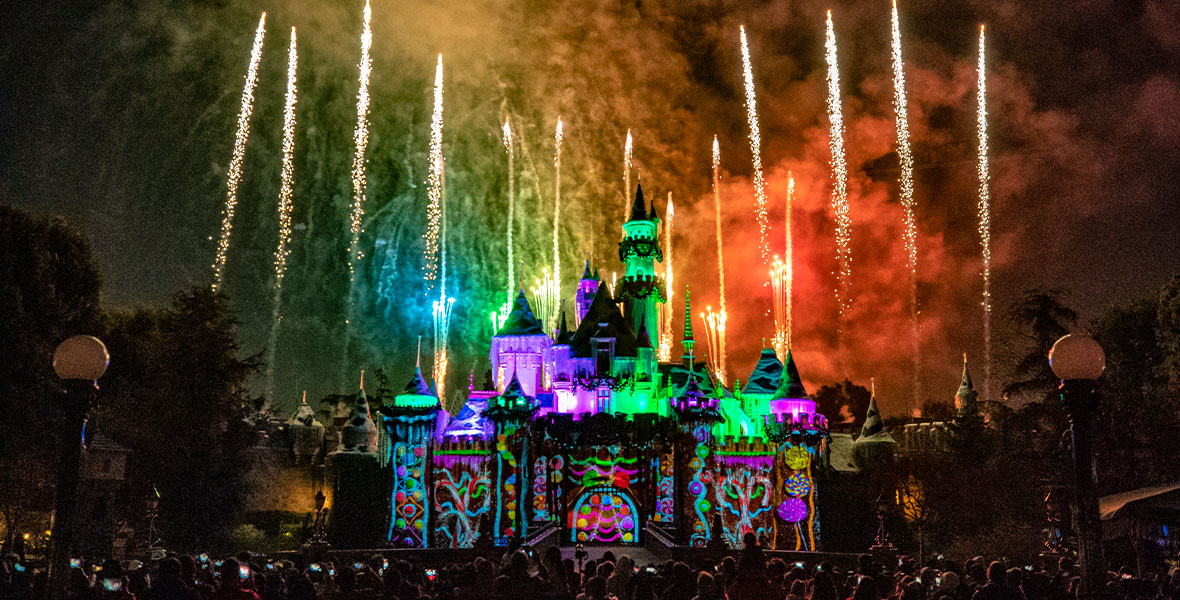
point(557, 203)
point(500, 316)
point(907, 187)
point(434, 184)
point(627, 150)
point(546, 296)
point(441, 311)
point(282, 251)
point(235, 163)
point(720, 350)
point(665, 336)
point(782, 277)
point(985, 218)
point(714, 331)
point(839, 181)
point(756, 151)
point(360, 138)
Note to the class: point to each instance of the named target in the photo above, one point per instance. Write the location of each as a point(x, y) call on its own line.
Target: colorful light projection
point(462, 496)
point(606, 467)
point(510, 442)
point(797, 488)
point(605, 514)
point(698, 486)
point(408, 519)
point(742, 495)
point(665, 468)
point(547, 479)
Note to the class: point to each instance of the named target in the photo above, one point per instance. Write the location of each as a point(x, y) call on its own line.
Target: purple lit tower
point(518, 349)
point(587, 287)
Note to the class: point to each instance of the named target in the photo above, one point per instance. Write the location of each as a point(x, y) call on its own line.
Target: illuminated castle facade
point(587, 436)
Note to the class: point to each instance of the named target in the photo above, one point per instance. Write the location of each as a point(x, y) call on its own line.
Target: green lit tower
point(688, 341)
point(641, 289)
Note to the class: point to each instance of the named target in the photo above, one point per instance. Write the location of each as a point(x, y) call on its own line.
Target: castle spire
point(966, 396)
point(638, 208)
point(688, 341)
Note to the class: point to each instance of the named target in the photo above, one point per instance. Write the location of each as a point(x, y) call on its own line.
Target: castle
point(585, 435)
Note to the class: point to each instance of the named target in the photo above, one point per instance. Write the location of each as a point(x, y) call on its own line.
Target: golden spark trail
point(434, 184)
point(507, 139)
point(789, 266)
point(235, 164)
point(714, 327)
point(907, 190)
point(545, 301)
point(442, 326)
point(628, 148)
point(282, 251)
point(720, 321)
point(500, 316)
point(557, 208)
point(985, 218)
point(665, 334)
point(756, 151)
point(778, 270)
point(360, 139)
point(839, 168)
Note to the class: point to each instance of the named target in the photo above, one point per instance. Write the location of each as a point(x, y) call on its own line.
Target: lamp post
point(78, 361)
point(1078, 361)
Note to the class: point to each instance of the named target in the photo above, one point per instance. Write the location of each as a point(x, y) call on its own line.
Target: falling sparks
point(756, 151)
point(360, 139)
point(720, 331)
point(557, 204)
point(665, 336)
point(546, 297)
point(907, 189)
point(434, 184)
point(628, 148)
point(715, 336)
point(442, 329)
point(985, 218)
point(235, 163)
point(782, 277)
point(501, 315)
point(282, 251)
point(839, 182)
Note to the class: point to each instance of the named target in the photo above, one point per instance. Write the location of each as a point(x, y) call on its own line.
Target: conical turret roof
point(521, 320)
point(765, 377)
point(417, 384)
point(638, 208)
point(874, 428)
point(642, 339)
point(586, 273)
point(603, 320)
point(790, 384)
point(966, 393)
point(564, 335)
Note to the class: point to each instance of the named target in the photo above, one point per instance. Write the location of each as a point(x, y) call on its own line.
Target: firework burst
point(665, 334)
point(720, 358)
point(434, 184)
point(546, 297)
point(714, 336)
point(906, 158)
point(360, 139)
point(985, 218)
point(235, 164)
point(557, 137)
point(282, 251)
point(839, 181)
point(628, 149)
point(756, 151)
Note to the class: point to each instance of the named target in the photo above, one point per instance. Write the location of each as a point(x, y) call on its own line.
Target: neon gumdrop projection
point(605, 515)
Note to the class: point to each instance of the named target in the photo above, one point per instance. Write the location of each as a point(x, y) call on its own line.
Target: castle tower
point(353, 467)
point(511, 411)
point(307, 431)
point(519, 348)
point(410, 422)
point(641, 289)
point(587, 287)
point(966, 398)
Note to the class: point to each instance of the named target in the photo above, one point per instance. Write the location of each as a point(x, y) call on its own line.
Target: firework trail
point(756, 151)
point(361, 140)
point(720, 322)
point(442, 327)
point(665, 335)
point(282, 251)
point(985, 218)
point(782, 276)
point(627, 151)
point(545, 300)
point(434, 183)
point(907, 189)
point(557, 204)
point(839, 182)
point(235, 163)
point(714, 330)
point(501, 315)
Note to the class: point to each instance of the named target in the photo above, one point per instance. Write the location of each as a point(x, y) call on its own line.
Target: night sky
point(121, 115)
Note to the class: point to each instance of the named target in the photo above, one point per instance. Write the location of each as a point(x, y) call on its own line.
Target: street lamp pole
point(1079, 361)
point(79, 361)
